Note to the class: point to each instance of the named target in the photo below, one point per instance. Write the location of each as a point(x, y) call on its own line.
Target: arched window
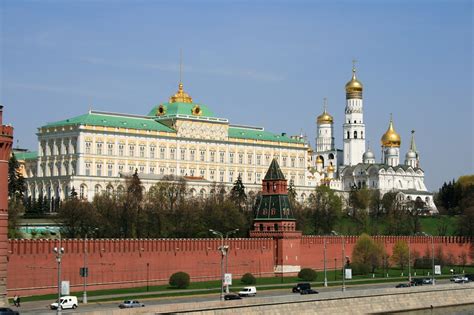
point(355, 134)
point(362, 135)
point(331, 156)
point(348, 135)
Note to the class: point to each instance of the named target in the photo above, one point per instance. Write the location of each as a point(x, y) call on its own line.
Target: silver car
point(131, 304)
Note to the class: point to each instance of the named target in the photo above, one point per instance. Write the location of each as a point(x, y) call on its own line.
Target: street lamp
point(85, 272)
point(325, 273)
point(59, 251)
point(224, 249)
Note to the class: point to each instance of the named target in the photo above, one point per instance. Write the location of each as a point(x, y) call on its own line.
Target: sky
point(258, 63)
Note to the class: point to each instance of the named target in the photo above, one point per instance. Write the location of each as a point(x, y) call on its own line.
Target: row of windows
point(348, 136)
point(190, 155)
point(58, 147)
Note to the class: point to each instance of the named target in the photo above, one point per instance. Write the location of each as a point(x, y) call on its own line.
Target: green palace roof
point(94, 118)
point(259, 134)
point(26, 155)
point(173, 109)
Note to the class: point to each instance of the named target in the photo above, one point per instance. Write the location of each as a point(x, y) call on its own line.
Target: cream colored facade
point(95, 152)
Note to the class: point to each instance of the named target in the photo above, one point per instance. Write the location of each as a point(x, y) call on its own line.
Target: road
point(42, 307)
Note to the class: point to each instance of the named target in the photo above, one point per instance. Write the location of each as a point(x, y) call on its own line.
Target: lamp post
point(147, 276)
point(409, 261)
point(335, 268)
point(325, 273)
point(59, 251)
point(224, 249)
point(433, 262)
point(85, 273)
point(343, 264)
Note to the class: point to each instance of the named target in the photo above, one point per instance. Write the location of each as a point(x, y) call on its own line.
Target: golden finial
point(354, 87)
point(354, 67)
point(325, 103)
point(325, 118)
point(391, 138)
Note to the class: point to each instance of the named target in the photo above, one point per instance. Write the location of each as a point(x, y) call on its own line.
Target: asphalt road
point(42, 307)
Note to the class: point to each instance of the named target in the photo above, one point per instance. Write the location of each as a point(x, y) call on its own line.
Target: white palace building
point(95, 153)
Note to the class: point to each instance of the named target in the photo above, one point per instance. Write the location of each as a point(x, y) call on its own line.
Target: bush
point(248, 278)
point(307, 274)
point(179, 280)
point(360, 268)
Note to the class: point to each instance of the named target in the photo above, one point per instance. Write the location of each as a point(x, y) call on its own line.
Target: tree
point(76, 218)
point(16, 182)
point(15, 207)
point(179, 280)
point(367, 254)
point(292, 193)
point(327, 207)
point(400, 254)
point(132, 207)
point(307, 274)
point(359, 200)
point(248, 279)
point(237, 193)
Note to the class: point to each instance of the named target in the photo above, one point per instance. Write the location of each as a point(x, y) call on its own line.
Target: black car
point(470, 277)
point(402, 285)
point(308, 291)
point(8, 311)
point(232, 296)
point(416, 282)
point(301, 286)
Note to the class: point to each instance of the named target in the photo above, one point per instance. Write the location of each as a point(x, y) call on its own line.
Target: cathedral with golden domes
point(355, 166)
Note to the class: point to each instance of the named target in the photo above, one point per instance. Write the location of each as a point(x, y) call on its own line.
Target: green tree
point(367, 254)
point(15, 207)
point(327, 207)
point(132, 207)
point(76, 218)
point(16, 182)
point(237, 193)
point(400, 254)
point(292, 193)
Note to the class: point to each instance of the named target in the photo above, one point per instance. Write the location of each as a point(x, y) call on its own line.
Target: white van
point(248, 291)
point(65, 302)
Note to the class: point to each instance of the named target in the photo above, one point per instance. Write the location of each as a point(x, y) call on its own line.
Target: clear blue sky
point(268, 63)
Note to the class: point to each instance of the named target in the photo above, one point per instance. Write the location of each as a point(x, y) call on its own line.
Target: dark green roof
point(112, 120)
point(259, 134)
point(274, 172)
point(173, 109)
point(274, 207)
point(26, 155)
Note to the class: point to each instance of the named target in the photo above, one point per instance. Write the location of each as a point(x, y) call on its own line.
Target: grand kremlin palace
point(97, 151)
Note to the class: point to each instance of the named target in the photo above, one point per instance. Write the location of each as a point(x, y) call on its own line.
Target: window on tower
point(348, 135)
point(362, 135)
point(355, 134)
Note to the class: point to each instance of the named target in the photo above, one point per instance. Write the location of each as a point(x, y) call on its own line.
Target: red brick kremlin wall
point(127, 263)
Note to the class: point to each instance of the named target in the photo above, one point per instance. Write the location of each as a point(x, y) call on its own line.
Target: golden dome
point(391, 138)
point(319, 159)
point(330, 169)
point(181, 96)
point(325, 118)
point(354, 87)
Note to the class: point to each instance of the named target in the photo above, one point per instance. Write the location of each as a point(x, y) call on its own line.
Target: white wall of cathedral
point(324, 137)
point(353, 132)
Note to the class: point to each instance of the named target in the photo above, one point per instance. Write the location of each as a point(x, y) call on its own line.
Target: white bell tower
point(354, 127)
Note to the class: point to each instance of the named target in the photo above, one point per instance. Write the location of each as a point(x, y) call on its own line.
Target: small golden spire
point(325, 118)
point(354, 87)
point(181, 96)
point(391, 138)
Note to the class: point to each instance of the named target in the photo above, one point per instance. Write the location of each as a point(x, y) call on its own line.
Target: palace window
point(141, 169)
point(88, 169)
point(249, 159)
point(182, 171)
point(162, 153)
point(162, 170)
point(172, 153)
point(222, 156)
point(241, 158)
point(259, 177)
point(293, 162)
point(99, 148)
point(202, 172)
point(183, 154)
point(267, 158)
point(231, 176)
point(131, 168)
point(192, 153)
point(110, 149)
point(192, 171)
point(131, 150)
point(213, 156)
point(88, 147)
point(212, 174)
point(98, 169)
point(249, 177)
point(152, 151)
point(284, 161)
point(203, 155)
point(152, 170)
point(231, 157)
point(301, 162)
point(142, 151)
point(121, 149)
point(120, 168)
point(259, 159)
point(172, 171)
point(82, 192)
point(110, 169)
point(221, 176)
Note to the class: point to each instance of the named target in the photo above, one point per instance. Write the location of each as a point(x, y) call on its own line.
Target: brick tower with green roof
point(274, 218)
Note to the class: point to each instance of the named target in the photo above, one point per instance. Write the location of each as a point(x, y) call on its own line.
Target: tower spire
point(325, 104)
point(412, 142)
point(181, 65)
